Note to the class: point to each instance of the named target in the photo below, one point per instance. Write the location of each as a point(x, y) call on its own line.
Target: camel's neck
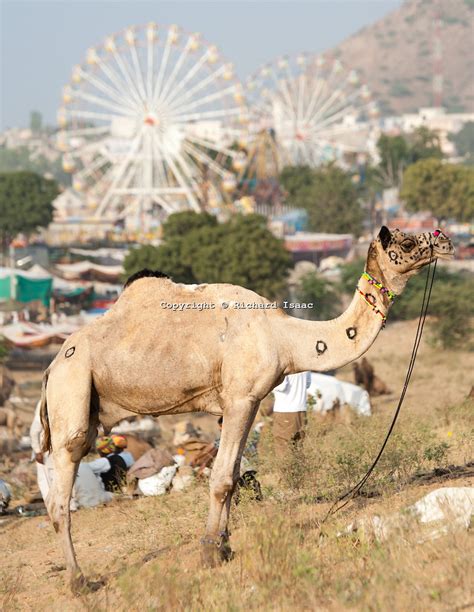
point(324, 345)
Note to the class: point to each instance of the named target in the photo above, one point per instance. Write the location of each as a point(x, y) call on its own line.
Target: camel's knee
point(60, 514)
point(221, 487)
point(79, 444)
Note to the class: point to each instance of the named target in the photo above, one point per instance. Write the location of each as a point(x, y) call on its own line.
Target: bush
point(316, 289)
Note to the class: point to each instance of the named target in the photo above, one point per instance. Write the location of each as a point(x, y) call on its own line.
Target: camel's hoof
point(80, 586)
point(215, 552)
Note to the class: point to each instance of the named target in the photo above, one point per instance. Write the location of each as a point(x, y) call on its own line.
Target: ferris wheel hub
point(152, 120)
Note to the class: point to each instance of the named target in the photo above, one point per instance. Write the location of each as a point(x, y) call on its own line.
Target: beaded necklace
point(384, 290)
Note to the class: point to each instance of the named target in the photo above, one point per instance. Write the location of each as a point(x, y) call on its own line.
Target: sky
point(41, 41)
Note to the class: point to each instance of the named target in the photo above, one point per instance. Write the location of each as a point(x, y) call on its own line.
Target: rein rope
point(344, 499)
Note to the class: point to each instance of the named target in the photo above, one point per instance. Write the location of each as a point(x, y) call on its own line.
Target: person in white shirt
point(88, 487)
point(44, 463)
point(289, 411)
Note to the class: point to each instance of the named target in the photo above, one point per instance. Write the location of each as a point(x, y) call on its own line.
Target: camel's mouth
point(444, 251)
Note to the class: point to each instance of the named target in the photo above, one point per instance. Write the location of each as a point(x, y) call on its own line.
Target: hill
point(395, 55)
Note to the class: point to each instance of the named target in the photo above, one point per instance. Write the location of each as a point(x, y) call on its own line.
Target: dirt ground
point(147, 549)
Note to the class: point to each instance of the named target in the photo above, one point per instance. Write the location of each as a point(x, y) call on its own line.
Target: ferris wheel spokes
point(120, 170)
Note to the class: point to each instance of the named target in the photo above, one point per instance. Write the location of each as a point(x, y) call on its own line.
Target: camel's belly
point(160, 384)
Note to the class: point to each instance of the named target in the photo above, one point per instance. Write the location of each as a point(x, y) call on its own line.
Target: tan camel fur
point(142, 357)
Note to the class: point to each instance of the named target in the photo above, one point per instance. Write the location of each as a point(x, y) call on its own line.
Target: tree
point(424, 144)
point(36, 121)
point(25, 203)
point(244, 252)
point(464, 141)
point(315, 289)
point(447, 190)
point(328, 194)
point(182, 223)
point(398, 152)
point(196, 249)
point(394, 157)
point(16, 160)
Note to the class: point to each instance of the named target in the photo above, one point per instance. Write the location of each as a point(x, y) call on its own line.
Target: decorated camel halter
point(384, 290)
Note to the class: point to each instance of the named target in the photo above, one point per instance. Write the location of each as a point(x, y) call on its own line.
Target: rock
point(437, 513)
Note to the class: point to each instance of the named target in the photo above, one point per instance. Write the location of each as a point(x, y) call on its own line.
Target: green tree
point(36, 121)
point(394, 157)
point(447, 190)
point(16, 160)
point(424, 144)
point(316, 289)
point(328, 194)
point(25, 203)
point(464, 141)
point(398, 152)
point(241, 251)
point(350, 274)
point(182, 223)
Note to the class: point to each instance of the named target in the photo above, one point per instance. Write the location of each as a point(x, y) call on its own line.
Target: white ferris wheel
point(149, 121)
point(315, 108)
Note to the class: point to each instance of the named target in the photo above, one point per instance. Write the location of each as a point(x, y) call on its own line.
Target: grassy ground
point(148, 552)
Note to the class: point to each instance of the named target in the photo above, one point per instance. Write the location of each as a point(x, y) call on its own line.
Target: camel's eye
point(407, 245)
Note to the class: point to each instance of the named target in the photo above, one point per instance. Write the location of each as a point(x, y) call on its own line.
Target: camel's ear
point(372, 253)
point(385, 237)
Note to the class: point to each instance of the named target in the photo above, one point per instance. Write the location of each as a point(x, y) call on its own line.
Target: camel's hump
point(144, 273)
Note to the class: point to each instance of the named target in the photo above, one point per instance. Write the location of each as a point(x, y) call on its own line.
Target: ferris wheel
point(316, 109)
point(149, 121)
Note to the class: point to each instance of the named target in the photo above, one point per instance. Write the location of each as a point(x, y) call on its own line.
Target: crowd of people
point(124, 463)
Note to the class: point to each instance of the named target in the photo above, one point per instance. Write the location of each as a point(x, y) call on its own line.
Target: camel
point(168, 348)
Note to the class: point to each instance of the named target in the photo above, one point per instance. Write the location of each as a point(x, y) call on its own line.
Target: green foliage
point(315, 288)
point(399, 152)
point(450, 304)
point(16, 160)
point(182, 223)
point(3, 349)
point(25, 203)
point(399, 90)
point(36, 121)
point(350, 274)
point(464, 141)
point(447, 190)
point(423, 144)
point(241, 251)
point(328, 194)
point(394, 154)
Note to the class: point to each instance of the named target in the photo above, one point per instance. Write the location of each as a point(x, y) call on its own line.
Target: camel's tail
point(46, 443)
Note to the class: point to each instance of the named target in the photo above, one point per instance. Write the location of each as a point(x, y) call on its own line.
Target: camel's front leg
point(238, 419)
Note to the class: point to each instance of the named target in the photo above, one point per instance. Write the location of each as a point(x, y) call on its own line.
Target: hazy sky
point(41, 41)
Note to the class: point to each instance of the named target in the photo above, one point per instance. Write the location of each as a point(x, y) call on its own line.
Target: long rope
point(344, 499)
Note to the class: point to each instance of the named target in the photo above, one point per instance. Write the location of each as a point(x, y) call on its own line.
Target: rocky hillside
point(395, 55)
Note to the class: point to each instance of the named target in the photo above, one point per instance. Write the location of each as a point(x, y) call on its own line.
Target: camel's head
point(400, 255)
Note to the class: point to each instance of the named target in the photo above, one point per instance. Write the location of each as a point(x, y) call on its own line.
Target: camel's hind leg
point(73, 427)
point(226, 471)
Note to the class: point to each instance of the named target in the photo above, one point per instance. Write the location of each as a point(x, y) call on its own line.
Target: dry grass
point(282, 560)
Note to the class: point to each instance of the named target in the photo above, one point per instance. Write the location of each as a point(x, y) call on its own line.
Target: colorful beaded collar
point(369, 298)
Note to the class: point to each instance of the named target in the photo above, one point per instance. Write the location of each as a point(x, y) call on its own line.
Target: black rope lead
point(344, 499)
